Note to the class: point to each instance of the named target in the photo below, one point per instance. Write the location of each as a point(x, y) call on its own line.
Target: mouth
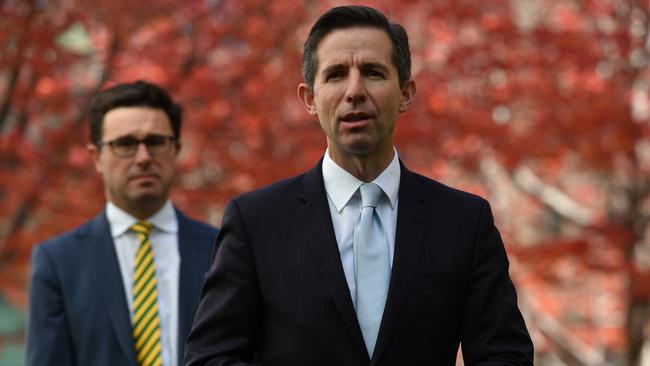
point(356, 119)
point(143, 177)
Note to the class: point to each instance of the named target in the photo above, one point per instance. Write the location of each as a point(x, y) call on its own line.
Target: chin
point(149, 199)
point(360, 149)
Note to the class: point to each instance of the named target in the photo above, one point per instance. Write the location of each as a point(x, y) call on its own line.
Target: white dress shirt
point(344, 199)
point(164, 242)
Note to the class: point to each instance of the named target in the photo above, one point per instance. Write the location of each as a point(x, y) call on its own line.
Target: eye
point(125, 142)
point(373, 73)
point(155, 140)
point(335, 75)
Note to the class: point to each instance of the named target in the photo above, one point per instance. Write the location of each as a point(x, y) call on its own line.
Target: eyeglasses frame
point(111, 144)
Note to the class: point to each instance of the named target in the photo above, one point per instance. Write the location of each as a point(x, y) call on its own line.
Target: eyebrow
point(333, 67)
point(375, 65)
point(366, 65)
point(132, 136)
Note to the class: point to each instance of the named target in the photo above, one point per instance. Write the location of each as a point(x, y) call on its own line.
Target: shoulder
point(196, 226)
point(455, 200)
point(66, 241)
point(62, 250)
point(272, 195)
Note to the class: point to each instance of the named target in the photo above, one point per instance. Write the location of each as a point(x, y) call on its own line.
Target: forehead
point(356, 45)
point(135, 121)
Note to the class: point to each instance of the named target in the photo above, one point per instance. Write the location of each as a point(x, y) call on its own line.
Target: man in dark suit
point(359, 261)
point(123, 288)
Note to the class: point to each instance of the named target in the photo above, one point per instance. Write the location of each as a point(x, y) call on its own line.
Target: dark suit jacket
point(276, 293)
point(78, 314)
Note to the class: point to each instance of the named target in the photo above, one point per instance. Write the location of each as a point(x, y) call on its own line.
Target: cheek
point(103, 163)
point(328, 102)
point(115, 172)
point(391, 105)
point(168, 168)
point(113, 182)
point(115, 175)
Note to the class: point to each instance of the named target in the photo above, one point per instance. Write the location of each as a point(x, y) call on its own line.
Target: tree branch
point(554, 198)
point(527, 181)
point(113, 50)
point(14, 74)
point(570, 349)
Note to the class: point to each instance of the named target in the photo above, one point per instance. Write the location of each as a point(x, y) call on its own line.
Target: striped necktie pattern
point(146, 321)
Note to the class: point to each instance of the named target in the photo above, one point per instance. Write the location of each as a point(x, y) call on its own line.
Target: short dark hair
point(137, 94)
point(356, 16)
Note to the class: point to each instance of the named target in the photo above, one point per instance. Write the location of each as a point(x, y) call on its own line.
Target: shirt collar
point(340, 185)
point(120, 220)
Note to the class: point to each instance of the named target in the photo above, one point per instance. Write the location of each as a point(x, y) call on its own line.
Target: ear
point(178, 146)
point(95, 156)
point(306, 96)
point(408, 95)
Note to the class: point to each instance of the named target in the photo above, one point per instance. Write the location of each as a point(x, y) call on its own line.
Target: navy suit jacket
point(276, 292)
point(78, 314)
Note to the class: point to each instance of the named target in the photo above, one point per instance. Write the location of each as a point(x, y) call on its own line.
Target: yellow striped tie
point(146, 323)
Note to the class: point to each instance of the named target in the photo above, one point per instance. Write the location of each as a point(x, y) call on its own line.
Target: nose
point(356, 89)
point(142, 154)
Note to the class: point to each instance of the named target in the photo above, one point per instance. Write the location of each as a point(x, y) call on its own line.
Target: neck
point(364, 167)
point(144, 210)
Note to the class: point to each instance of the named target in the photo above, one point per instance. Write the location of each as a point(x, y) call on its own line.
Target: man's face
point(356, 93)
point(138, 184)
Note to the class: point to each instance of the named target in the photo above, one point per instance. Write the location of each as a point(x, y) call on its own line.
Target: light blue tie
point(372, 265)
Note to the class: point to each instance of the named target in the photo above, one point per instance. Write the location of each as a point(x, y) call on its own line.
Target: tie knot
point(142, 227)
point(370, 194)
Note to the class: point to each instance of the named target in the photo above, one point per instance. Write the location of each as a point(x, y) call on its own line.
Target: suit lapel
point(193, 249)
point(314, 214)
point(108, 283)
point(412, 219)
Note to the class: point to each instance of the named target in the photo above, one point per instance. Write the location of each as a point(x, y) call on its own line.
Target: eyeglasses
point(127, 146)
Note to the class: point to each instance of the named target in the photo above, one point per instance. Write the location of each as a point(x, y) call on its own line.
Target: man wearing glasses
point(122, 289)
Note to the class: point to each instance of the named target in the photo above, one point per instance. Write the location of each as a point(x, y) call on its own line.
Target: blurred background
point(541, 106)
